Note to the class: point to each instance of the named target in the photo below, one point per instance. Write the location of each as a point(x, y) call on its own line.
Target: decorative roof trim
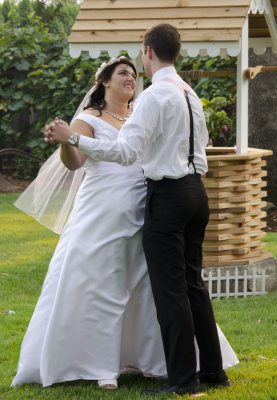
point(212, 49)
point(191, 49)
point(260, 6)
point(259, 45)
point(95, 49)
point(265, 7)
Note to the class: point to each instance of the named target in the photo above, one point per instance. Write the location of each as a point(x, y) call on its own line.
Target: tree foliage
point(58, 16)
point(39, 80)
point(221, 120)
point(218, 95)
point(210, 87)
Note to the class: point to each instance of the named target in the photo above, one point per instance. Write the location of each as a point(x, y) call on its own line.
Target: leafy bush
point(38, 81)
point(58, 15)
point(218, 95)
point(220, 119)
point(209, 87)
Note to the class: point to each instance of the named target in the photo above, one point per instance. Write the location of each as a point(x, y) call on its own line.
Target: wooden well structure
point(236, 191)
point(235, 182)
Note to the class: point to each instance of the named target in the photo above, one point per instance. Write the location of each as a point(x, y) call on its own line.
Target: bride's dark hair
point(97, 100)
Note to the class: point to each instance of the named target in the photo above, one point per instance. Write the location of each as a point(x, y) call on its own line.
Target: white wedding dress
point(95, 315)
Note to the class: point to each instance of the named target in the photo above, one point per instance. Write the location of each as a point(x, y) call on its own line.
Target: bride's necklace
point(116, 116)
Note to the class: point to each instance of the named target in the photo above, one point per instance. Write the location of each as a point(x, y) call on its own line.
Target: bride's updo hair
point(103, 74)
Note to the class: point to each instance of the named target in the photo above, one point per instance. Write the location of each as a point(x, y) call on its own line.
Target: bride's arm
point(71, 157)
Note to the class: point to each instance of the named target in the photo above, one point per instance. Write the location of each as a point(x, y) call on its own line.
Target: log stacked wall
point(236, 190)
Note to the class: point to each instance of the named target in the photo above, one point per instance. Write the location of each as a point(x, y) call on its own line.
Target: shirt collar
point(161, 73)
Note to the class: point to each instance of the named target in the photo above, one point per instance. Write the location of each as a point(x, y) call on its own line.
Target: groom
point(167, 132)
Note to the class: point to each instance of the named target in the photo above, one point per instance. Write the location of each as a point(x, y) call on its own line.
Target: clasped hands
point(57, 131)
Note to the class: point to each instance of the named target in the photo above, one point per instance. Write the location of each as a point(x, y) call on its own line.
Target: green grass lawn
point(26, 248)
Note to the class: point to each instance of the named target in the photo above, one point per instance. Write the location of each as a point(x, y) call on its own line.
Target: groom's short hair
point(165, 40)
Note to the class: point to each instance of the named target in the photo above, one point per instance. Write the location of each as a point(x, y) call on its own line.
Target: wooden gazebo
point(234, 183)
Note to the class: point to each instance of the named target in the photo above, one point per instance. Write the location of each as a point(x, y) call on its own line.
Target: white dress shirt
point(157, 133)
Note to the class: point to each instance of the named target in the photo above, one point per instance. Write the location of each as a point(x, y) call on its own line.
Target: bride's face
point(123, 81)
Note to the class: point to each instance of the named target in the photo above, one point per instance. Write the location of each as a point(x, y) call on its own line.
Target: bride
point(95, 317)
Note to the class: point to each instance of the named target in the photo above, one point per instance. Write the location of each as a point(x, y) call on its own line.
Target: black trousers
point(176, 216)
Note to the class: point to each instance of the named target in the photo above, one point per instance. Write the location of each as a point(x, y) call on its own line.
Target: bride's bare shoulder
point(92, 111)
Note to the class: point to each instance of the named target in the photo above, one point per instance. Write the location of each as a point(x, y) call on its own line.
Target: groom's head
point(165, 40)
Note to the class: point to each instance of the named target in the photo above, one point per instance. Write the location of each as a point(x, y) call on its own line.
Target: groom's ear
point(150, 52)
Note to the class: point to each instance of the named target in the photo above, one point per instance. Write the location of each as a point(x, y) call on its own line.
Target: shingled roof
point(127, 20)
point(198, 21)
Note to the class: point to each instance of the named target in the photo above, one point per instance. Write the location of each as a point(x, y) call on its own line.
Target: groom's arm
point(131, 139)
point(122, 151)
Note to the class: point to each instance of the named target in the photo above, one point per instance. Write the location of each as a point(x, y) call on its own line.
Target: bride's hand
point(57, 131)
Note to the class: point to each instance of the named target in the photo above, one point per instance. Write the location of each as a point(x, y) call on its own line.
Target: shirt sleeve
point(132, 137)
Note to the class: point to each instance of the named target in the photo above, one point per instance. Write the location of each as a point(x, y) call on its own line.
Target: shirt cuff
point(84, 143)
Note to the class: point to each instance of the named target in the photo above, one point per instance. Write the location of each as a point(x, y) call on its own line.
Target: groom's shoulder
point(155, 91)
point(149, 93)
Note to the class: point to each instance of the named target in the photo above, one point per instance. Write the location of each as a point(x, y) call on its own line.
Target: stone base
point(268, 266)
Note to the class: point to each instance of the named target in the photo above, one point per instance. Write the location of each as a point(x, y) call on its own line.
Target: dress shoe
point(218, 378)
point(192, 387)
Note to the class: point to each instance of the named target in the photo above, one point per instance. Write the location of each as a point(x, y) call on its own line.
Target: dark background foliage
point(39, 80)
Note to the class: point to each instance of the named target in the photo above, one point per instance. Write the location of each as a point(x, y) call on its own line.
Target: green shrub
point(38, 81)
point(57, 15)
point(218, 95)
point(209, 87)
point(220, 119)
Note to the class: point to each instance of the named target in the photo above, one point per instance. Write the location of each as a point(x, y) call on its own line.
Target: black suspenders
point(191, 135)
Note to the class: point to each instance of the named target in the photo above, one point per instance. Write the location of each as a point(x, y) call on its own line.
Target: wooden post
point(242, 93)
point(139, 67)
point(271, 23)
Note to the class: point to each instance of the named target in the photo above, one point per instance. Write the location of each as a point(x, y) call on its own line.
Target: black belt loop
point(191, 135)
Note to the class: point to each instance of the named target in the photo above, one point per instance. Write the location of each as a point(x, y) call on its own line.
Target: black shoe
point(218, 378)
point(191, 388)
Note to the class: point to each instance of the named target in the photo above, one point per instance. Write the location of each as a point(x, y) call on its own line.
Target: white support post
point(242, 93)
point(139, 67)
point(271, 23)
